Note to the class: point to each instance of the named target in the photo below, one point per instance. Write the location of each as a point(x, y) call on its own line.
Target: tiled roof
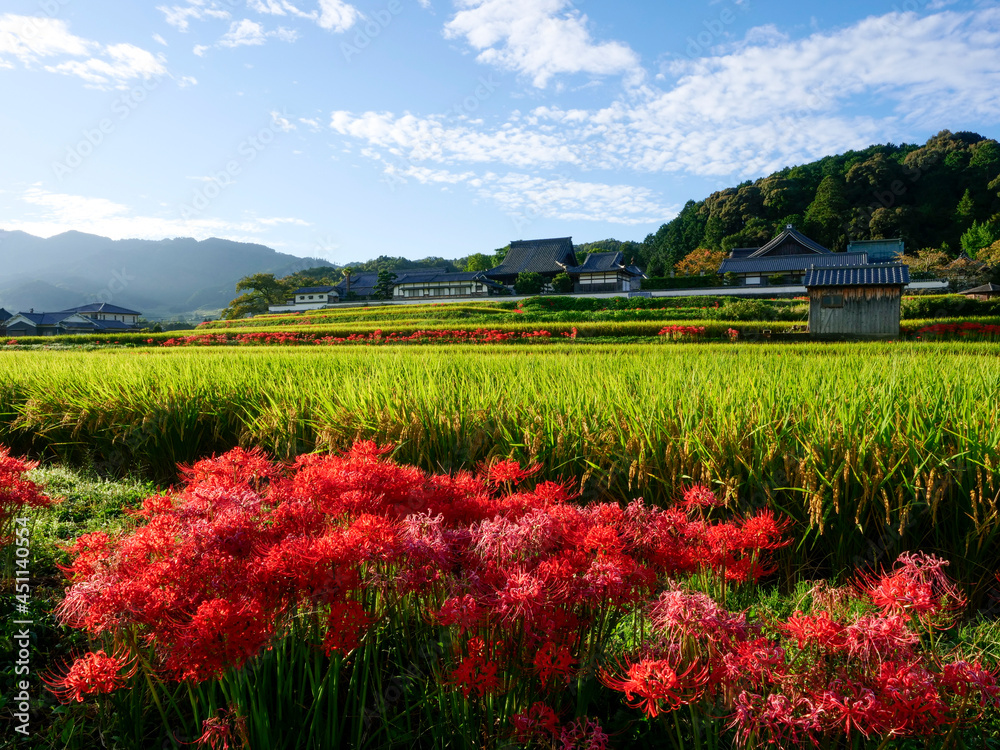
point(887, 274)
point(598, 263)
point(789, 263)
point(984, 289)
point(4, 315)
point(51, 319)
point(315, 289)
point(362, 284)
point(101, 307)
point(742, 252)
point(793, 234)
point(539, 256)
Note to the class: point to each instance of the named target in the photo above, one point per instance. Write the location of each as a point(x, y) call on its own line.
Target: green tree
point(979, 236)
point(827, 215)
point(383, 285)
point(966, 208)
point(260, 290)
point(529, 282)
point(562, 283)
point(479, 262)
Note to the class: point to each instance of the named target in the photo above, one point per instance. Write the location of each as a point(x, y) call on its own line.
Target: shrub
point(529, 282)
point(746, 309)
point(562, 283)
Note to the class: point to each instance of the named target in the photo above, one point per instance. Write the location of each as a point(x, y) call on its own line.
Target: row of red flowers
point(679, 331)
point(531, 587)
point(966, 329)
point(475, 336)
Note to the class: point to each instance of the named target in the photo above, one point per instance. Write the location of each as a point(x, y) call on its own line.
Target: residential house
point(789, 255)
point(861, 301)
point(436, 283)
point(107, 313)
point(984, 292)
point(96, 318)
point(308, 298)
point(605, 272)
point(50, 324)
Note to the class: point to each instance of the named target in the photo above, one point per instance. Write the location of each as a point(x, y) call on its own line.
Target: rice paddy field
point(856, 442)
point(760, 509)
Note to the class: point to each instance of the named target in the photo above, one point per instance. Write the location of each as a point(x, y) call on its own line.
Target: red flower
point(652, 682)
point(93, 673)
point(535, 722)
point(553, 660)
point(345, 626)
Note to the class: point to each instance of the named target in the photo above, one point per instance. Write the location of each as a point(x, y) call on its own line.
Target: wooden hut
point(862, 301)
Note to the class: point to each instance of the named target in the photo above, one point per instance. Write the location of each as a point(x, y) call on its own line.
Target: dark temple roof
point(742, 252)
point(788, 263)
point(984, 289)
point(4, 315)
point(604, 263)
point(540, 256)
point(888, 274)
point(790, 242)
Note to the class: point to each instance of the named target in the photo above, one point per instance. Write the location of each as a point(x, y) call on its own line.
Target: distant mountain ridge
point(170, 278)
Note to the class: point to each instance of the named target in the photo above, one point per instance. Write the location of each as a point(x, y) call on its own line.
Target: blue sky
point(346, 130)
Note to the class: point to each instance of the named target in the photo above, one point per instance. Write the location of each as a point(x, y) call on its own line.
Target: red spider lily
point(962, 679)
point(476, 675)
point(819, 629)
point(345, 626)
point(916, 586)
point(508, 472)
point(219, 731)
point(699, 496)
point(93, 673)
point(17, 492)
point(652, 682)
point(583, 733)
point(775, 719)
point(463, 611)
point(534, 723)
point(553, 661)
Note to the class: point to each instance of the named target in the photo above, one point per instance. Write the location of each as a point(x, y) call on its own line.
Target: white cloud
point(762, 106)
point(538, 38)
point(245, 32)
point(200, 49)
point(333, 15)
point(281, 122)
point(126, 62)
point(179, 16)
point(526, 197)
point(28, 40)
point(159, 40)
point(336, 15)
point(61, 212)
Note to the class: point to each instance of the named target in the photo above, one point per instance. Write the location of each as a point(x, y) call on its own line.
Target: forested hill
point(929, 195)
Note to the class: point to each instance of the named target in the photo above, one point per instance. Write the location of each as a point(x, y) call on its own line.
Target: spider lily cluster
point(518, 614)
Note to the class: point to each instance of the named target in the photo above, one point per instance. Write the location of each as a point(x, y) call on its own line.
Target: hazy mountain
point(160, 278)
